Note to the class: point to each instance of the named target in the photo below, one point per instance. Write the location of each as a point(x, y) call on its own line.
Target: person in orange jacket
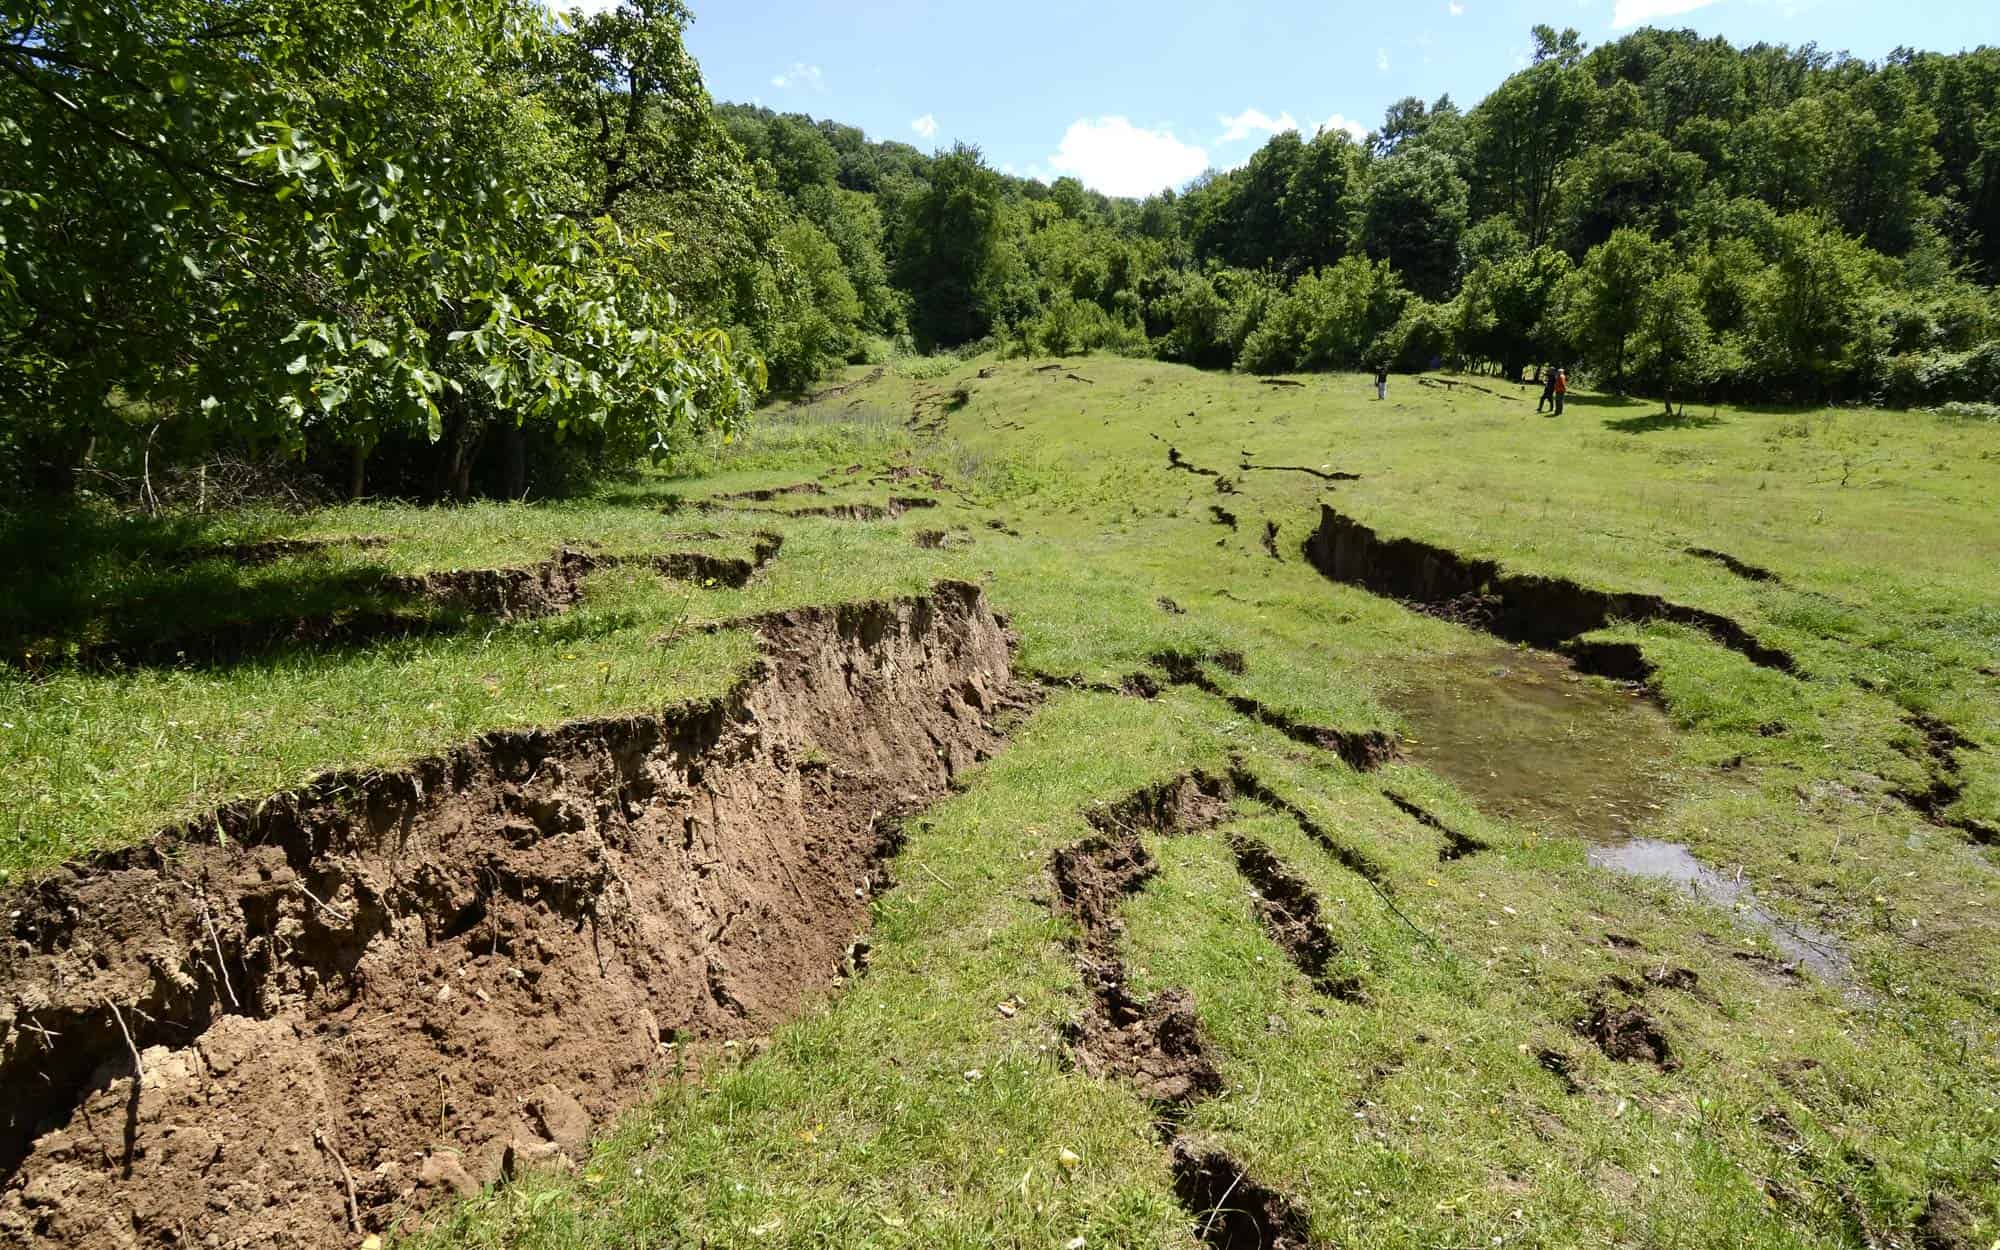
point(1562, 389)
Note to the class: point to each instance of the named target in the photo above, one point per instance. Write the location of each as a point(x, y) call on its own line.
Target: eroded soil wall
point(349, 1000)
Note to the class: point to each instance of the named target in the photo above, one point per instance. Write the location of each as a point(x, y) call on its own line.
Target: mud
point(1362, 750)
point(1742, 568)
point(1233, 1211)
point(1802, 945)
point(1456, 845)
point(1532, 741)
point(404, 978)
point(1628, 1034)
point(1545, 612)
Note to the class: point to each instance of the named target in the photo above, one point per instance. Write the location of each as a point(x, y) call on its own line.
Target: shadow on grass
point(1661, 421)
point(100, 590)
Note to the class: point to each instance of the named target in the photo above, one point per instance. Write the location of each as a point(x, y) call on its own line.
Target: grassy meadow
point(932, 1102)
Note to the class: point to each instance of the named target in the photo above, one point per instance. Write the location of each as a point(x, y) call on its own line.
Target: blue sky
point(1134, 96)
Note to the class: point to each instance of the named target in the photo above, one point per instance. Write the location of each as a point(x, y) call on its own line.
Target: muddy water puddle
point(1537, 743)
point(1801, 945)
point(1534, 742)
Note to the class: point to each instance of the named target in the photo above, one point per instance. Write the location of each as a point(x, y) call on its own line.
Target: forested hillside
point(477, 249)
point(1666, 212)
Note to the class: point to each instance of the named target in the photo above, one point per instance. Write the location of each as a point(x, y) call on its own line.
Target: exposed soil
point(1222, 515)
point(1945, 1225)
point(1941, 745)
point(399, 978)
point(1289, 911)
point(896, 507)
point(1156, 1043)
point(1742, 568)
point(1363, 750)
point(1546, 612)
point(1233, 1211)
point(1456, 845)
point(1627, 1033)
point(768, 493)
point(1271, 540)
point(1279, 382)
point(835, 392)
point(731, 571)
point(1174, 461)
point(1322, 474)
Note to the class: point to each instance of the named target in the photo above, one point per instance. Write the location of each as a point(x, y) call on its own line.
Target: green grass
point(1421, 1117)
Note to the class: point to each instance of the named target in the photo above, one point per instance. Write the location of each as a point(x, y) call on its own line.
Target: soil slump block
point(392, 981)
point(1546, 612)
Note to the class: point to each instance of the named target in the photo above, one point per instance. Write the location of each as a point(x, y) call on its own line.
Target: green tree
point(301, 221)
point(1413, 213)
point(1606, 300)
point(1527, 130)
point(1676, 350)
point(951, 255)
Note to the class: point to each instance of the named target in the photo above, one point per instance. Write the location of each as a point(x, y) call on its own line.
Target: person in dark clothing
point(1381, 381)
point(1548, 399)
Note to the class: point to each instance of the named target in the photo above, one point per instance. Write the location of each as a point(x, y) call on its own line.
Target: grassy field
point(1452, 1101)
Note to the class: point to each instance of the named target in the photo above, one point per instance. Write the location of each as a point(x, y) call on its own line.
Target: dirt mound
point(1629, 1034)
point(773, 492)
point(297, 1018)
point(1546, 612)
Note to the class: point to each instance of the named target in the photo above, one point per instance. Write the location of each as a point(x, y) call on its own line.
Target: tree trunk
point(517, 461)
point(357, 471)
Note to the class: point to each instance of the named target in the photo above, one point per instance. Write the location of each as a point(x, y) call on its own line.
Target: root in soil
point(400, 980)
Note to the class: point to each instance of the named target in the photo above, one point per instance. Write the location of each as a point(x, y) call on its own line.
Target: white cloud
point(1454, 8)
point(1111, 155)
point(805, 77)
point(1354, 129)
point(925, 125)
point(1254, 122)
point(1633, 12)
point(1382, 59)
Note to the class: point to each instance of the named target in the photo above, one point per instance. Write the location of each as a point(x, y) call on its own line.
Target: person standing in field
point(1562, 389)
point(1381, 381)
point(1548, 399)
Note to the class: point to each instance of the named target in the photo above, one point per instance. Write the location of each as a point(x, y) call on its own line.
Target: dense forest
point(443, 248)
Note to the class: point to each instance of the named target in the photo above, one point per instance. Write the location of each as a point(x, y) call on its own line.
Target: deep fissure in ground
point(410, 979)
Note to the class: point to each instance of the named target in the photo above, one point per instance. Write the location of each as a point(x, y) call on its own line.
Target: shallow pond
point(1535, 742)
